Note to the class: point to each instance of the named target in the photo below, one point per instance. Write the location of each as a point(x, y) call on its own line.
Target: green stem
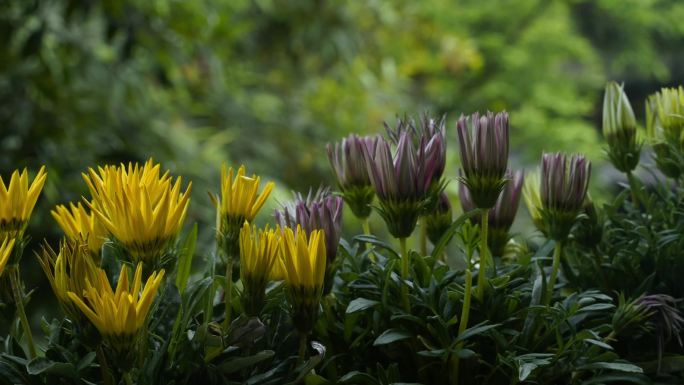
point(228, 296)
point(554, 271)
point(423, 235)
point(302, 348)
point(17, 293)
point(463, 322)
point(633, 188)
point(366, 231)
point(128, 378)
point(104, 367)
point(484, 251)
point(404, 275)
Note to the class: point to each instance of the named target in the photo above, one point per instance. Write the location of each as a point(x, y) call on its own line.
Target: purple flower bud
point(319, 210)
point(349, 165)
point(564, 184)
point(439, 220)
point(401, 182)
point(484, 155)
point(502, 215)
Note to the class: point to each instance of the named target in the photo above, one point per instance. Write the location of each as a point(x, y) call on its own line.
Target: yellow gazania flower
point(141, 209)
point(80, 224)
point(258, 254)
point(120, 313)
point(68, 271)
point(239, 202)
point(303, 266)
point(533, 200)
point(5, 252)
point(17, 201)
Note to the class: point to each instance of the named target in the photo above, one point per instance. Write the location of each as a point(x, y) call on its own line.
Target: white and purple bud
point(348, 163)
point(483, 142)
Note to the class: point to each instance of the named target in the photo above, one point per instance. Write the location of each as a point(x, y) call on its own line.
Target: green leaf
point(357, 377)
point(475, 330)
point(360, 304)
point(620, 378)
point(233, 365)
point(391, 335)
point(185, 259)
point(42, 365)
point(375, 241)
point(619, 366)
point(599, 343)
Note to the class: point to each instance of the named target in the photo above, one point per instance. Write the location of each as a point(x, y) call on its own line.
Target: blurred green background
point(268, 83)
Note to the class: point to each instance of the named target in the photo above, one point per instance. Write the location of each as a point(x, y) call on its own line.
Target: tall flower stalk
point(401, 183)
point(483, 143)
point(564, 184)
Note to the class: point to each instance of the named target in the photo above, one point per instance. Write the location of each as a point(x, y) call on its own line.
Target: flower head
point(68, 270)
point(665, 129)
point(119, 315)
point(80, 224)
point(502, 215)
point(303, 262)
point(564, 184)
point(17, 201)
point(240, 201)
point(439, 220)
point(142, 209)
point(620, 128)
point(348, 164)
point(6, 248)
point(483, 142)
point(401, 182)
point(259, 252)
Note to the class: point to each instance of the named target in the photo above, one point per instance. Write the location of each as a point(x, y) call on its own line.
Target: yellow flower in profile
point(80, 224)
point(142, 209)
point(240, 201)
point(118, 314)
point(68, 270)
point(258, 254)
point(5, 252)
point(303, 267)
point(17, 201)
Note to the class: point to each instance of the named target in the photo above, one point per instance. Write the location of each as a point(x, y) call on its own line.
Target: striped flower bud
point(620, 129)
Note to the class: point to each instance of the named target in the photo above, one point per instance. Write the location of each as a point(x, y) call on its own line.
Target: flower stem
point(302, 348)
point(104, 367)
point(404, 275)
point(17, 293)
point(633, 188)
point(423, 235)
point(554, 271)
point(228, 296)
point(463, 322)
point(366, 231)
point(484, 257)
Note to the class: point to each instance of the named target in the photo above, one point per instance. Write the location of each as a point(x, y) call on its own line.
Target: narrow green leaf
point(391, 335)
point(360, 304)
point(185, 259)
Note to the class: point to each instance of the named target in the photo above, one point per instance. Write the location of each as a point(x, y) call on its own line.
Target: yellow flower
point(120, 313)
point(80, 224)
point(239, 202)
point(533, 200)
point(303, 267)
point(17, 201)
point(141, 209)
point(258, 254)
point(5, 252)
point(68, 271)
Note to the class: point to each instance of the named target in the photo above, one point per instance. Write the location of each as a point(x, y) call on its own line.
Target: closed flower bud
point(533, 201)
point(665, 129)
point(348, 164)
point(318, 211)
point(259, 252)
point(483, 142)
point(502, 215)
point(564, 184)
point(620, 129)
point(303, 267)
point(401, 182)
point(82, 226)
